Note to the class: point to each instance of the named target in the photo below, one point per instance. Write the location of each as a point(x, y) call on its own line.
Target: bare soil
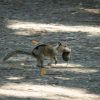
point(76, 22)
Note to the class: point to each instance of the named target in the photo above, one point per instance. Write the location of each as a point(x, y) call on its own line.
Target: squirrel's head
point(65, 50)
point(63, 47)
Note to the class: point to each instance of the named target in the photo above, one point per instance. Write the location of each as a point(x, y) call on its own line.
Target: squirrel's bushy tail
point(16, 52)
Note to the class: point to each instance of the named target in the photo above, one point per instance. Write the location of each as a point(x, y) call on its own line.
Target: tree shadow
point(64, 12)
point(21, 98)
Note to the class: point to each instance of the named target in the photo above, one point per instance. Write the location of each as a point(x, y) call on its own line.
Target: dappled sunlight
point(43, 91)
point(14, 78)
point(97, 48)
point(74, 23)
point(66, 65)
point(29, 28)
point(92, 11)
point(75, 67)
point(62, 78)
point(84, 71)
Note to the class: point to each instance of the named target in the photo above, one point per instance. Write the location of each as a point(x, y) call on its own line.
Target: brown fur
point(43, 50)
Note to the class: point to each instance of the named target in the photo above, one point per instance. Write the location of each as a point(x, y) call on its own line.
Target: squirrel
point(41, 51)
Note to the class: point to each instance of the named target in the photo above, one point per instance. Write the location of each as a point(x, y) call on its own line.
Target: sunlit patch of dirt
point(45, 91)
point(92, 11)
point(25, 27)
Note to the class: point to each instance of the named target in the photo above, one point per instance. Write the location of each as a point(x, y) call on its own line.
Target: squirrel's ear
point(59, 43)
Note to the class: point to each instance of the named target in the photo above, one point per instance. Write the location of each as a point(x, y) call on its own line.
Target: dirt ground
point(73, 21)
